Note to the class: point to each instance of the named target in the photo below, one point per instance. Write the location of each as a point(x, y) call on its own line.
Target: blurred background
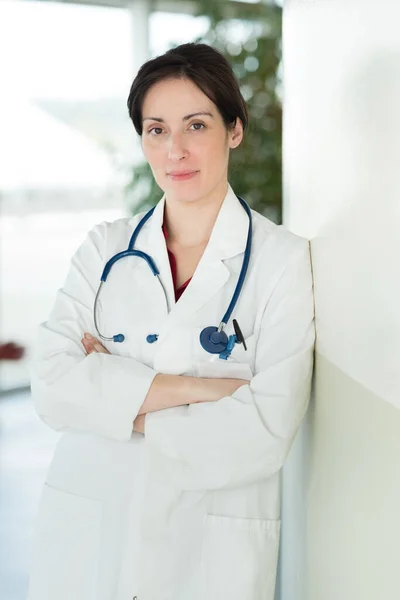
point(69, 158)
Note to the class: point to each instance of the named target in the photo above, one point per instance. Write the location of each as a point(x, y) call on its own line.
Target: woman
point(165, 483)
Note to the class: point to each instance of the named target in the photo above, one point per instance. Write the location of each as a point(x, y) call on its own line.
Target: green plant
point(250, 37)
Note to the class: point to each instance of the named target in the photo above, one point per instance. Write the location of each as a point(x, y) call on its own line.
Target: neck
point(191, 223)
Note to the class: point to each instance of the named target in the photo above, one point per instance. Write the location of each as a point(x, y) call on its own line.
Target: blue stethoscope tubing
point(213, 339)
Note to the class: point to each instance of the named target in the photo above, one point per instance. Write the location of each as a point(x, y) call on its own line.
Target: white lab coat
point(190, 511)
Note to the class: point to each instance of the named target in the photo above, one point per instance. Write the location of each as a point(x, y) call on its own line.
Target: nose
point(176, 148)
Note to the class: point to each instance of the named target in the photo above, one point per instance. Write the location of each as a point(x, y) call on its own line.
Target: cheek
point(153, 155)
point(216, 155)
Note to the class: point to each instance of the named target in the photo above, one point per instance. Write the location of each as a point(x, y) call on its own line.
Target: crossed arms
point(167, 391)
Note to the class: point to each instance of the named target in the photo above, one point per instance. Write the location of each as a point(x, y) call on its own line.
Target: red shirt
point(172, 261)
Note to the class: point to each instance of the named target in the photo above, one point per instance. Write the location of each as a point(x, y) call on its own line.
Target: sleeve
point(72, 391)
point(244, 438)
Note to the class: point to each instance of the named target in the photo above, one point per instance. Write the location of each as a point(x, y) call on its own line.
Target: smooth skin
point(187, 145)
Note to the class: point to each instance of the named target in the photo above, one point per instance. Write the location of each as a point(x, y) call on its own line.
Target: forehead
point(174, 98)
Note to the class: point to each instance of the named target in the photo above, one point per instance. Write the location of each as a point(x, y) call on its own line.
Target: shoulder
point(113, 234)
point(282, 261)
point(272, 239)
point(105, 228)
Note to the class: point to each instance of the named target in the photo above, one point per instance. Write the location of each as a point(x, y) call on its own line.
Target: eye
point(197, 126)
point(155, 131)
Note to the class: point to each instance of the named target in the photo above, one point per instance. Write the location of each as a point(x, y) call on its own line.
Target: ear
point(236, 134)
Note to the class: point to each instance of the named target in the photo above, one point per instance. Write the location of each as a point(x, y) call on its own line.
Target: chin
point(184, 193)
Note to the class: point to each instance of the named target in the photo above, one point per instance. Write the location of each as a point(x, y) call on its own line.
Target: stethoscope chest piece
point(213, 341)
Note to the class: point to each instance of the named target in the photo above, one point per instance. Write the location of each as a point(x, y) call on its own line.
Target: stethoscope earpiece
point(212, 340)
point(119, 337)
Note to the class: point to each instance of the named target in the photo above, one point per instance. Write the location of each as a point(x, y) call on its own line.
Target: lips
point(182, 175)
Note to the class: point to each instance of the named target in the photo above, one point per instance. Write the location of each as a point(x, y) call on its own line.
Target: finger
point(100, 348)
point(87, 346)
point(90, 337)
point(86, 343)
point(90, 341)
point(89, 349)
point(94, 343)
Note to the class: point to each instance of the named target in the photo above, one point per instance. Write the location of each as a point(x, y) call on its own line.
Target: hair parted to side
point(206, 67)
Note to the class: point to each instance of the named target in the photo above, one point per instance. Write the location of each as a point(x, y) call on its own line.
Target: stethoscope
point(213, 339)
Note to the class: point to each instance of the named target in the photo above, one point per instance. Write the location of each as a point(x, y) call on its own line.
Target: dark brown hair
point(205, 67)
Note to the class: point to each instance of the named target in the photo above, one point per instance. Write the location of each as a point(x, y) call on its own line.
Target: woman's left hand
point(92, 344)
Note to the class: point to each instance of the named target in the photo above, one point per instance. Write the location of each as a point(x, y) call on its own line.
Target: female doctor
point(177, 363)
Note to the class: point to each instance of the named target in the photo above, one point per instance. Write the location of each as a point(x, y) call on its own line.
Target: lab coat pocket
point(239, 558)
point(67, 550)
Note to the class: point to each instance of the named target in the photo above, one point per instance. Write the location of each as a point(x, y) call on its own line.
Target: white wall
point(342, 189)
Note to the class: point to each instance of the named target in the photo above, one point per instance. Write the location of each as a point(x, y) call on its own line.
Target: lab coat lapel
point(228, 239)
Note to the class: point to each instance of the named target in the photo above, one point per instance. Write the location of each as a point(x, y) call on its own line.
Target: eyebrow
point(186, 118)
